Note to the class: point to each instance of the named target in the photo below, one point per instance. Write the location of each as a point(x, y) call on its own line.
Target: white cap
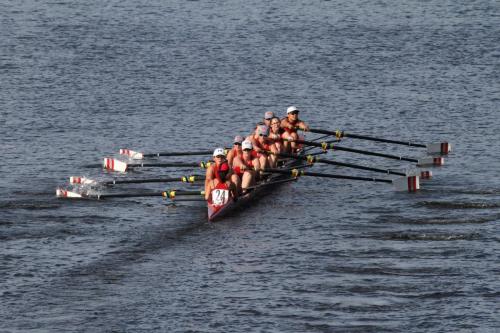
point(291, 109)
point(246, 145)
point(238, 139)
point(219, 152)
point(268, 115)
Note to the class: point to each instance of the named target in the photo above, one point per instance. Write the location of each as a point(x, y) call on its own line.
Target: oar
point(425, 161)
point(77, 180)
point(433, 148)
point(139, 156)
point(407, 183)
point(313, 159)
point(171, 194)
point(117, 165)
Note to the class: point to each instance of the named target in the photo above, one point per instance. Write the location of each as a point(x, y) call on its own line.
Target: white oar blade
point(430, 161)
point(407, 184)
point(62, 193)
point(114, 165)
point(439, 148)
point(132, 154)
point(76, 180)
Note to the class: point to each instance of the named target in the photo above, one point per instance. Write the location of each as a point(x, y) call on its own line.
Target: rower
point(260, 144)
point(220, 176)
point(290, 124)
point(246, 166)
point(276, 141)
point(236, 150)
point(267, 118)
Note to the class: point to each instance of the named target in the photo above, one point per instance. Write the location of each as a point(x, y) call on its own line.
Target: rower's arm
point(303, 126)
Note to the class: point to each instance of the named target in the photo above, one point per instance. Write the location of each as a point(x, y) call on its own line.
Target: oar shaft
point(180, 153)
point(176, 164)
point(154, 180)
point(299, 173)
point(332, 146)
point(369, 138)
point(312, 159)
point(344, 134)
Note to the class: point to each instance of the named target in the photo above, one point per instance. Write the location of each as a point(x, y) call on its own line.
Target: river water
point(79, 80)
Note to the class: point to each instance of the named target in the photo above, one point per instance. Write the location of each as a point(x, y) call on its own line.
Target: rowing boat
point(223, 204)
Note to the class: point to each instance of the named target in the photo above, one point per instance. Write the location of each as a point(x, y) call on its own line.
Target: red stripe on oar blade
point(438, 161)
point(426, 174)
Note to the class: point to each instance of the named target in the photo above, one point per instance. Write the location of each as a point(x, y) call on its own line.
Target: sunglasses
point(294, 112)
point(220, 156)
point(237, 143)
point(247, 149)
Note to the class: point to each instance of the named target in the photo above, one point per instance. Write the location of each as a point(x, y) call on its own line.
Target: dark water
point(79, 80)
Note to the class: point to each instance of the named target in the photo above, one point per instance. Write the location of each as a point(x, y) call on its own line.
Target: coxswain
point(247, 166)
point(290, 124)
point(236, 150)
point(220, 175)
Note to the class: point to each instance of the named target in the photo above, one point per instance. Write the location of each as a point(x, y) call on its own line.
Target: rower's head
point(292, 112)
point(263, 130)
point(237, 141)
point(275, 124)
point(267, 117)
point(219, 155)
point(247, 146)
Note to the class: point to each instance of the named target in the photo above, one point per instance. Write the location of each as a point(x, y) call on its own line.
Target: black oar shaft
point(180, 153)
point(155, 180)
point(299, 173)
point(312, 159)
point(344, 134)
point(179, 165)
point(332, 146)
point(361, 167)
point(129, 195)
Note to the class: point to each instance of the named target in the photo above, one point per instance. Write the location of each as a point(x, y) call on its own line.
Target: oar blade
point(407, 184)
point(77, 180)
point(423, 174)
point(442, 148)
point(114, 165)
point(62, 193)
point(135, 155)
point(430, 161)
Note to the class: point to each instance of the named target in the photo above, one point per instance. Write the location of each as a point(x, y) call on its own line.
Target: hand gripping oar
point(407, 184)
point(117, 165)
point(425, 161)
point(76, 180)
point(433, 148)
point(313, 159)
point(139, 156)
point(171, 194)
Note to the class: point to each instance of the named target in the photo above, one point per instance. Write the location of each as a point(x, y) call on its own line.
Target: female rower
point(261, 144)
point(275, 136)
point(246, 166)
point(290, 124)
point(220, 176)
point(236, 150)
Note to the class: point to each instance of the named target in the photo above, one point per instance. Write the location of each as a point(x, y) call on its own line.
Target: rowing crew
point(249, 157)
